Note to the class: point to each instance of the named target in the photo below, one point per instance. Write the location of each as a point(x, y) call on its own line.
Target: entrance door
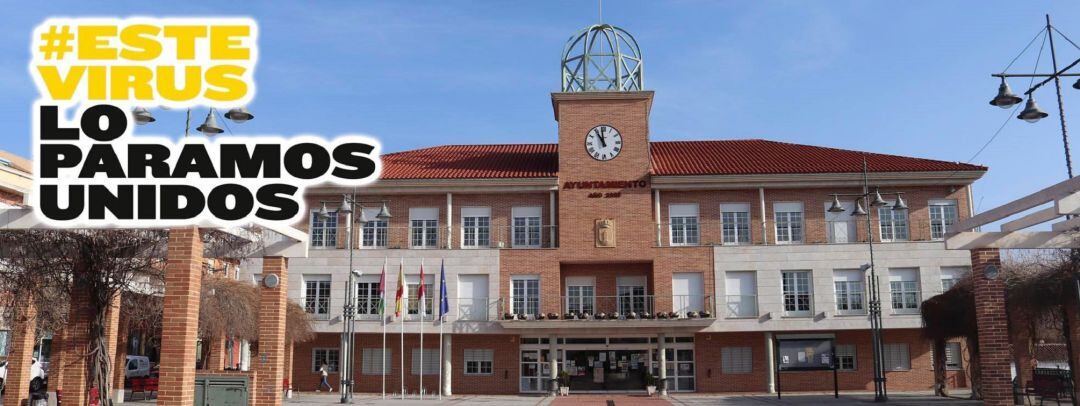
point(607, 370)
point(840, 226)
point(680, 369)
point(688, 292)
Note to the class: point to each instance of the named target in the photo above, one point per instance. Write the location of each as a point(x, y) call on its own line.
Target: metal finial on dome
point(602, 58)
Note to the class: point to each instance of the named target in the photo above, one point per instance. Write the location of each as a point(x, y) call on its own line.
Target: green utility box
point(218, 390)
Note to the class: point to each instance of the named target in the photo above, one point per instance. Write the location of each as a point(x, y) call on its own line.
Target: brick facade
point(24, 330)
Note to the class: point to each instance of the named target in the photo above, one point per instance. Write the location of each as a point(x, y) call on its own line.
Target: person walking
point(325, 373)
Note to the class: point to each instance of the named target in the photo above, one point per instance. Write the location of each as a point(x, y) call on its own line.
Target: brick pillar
point(120, 358)
point(995, 353)
point(112, 328)
point(215, 354)
point(57, 362)
point(23, 333)
point(288, 363)
point(180, 318)
point(76, 346)
point(1022, 340)
point(1072, 318)
point(270, 361)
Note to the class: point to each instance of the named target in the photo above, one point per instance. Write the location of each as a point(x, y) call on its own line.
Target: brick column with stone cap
point(24, 328)
point(180, 318)
point(269, 363)
point(995, 352)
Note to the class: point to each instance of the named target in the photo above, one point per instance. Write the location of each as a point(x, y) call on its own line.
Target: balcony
point(712, 232)
point(740, 307)
point(490, 237)
point(613, 311)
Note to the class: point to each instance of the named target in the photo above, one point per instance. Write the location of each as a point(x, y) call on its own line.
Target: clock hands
point(603, 140)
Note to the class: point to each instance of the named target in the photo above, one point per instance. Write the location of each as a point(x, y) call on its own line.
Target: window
point(525, 295)
point(848, 285)
point(323, 230)
point(943, 213)
point(893, 224)
point(526, 226)
point(424, 227)
point(735, 221)
point(475, 227)
point(580, 295)
point(5, 338)
point(324, 356)
point(904, 286)
point(896, 357)
point(430, 361)
point(789, 219)
point(736, 360)
point(684, 224)
point(367, 296)
point(412, 286)
point(375, 362)
point(953, 357)
point(845, 357)
point(797, 296)
point(951, 275)
point(479, 362)
point(317, 295)
point(631, 294)
point(740, 289)
point(374, 232)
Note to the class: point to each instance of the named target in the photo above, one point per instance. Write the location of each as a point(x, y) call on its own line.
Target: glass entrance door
point(680, 369)
point(607, 370)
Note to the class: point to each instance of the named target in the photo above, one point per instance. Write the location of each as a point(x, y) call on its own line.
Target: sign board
point(806, 354)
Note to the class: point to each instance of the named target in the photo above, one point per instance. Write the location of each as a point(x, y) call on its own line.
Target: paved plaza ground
point(904, 399)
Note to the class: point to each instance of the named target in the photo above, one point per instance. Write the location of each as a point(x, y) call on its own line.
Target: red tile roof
point(473, 162)
point(723, 157)
point(757, 157)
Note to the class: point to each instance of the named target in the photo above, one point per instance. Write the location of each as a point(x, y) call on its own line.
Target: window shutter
point(736, 360)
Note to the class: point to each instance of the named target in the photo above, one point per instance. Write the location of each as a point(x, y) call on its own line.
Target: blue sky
point(911, 80)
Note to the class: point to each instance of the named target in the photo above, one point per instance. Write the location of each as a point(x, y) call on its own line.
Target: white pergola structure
point(183, 281)
point(995, 351)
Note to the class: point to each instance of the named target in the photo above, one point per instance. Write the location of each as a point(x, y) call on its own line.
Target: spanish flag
point(400, 289)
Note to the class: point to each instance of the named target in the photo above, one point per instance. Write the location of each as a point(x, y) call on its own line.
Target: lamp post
point(1032, 113)
point(348, 311)
point(874, 295)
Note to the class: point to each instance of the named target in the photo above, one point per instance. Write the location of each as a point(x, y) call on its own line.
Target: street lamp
point(210, 125)
point(1032, 113)
point(874, 295)
point(348, 313)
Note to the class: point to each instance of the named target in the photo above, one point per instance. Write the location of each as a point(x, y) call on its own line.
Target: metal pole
point(1061, 107)
point(348, 315)
point(875, 301)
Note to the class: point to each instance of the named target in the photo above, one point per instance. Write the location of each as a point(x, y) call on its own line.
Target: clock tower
point(605, 210)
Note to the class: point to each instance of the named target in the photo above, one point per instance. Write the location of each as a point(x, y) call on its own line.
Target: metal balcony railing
point(460, 237)
point(618, 307)
point(711, 232)
point(740, 306)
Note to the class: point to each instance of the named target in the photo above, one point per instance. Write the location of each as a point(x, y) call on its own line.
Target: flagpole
point(423, 312)
point(442, 319)
point(382, 315)
point(401, 319)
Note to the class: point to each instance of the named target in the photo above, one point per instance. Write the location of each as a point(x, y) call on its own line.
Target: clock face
point(603, 143)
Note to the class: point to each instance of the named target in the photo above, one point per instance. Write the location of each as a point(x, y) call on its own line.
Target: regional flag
point(382, 292)
point(400, 288)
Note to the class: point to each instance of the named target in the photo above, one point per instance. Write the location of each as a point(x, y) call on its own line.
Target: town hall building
point(613, 260)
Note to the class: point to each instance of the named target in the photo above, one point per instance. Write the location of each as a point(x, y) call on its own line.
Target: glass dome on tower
point(602, 58)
